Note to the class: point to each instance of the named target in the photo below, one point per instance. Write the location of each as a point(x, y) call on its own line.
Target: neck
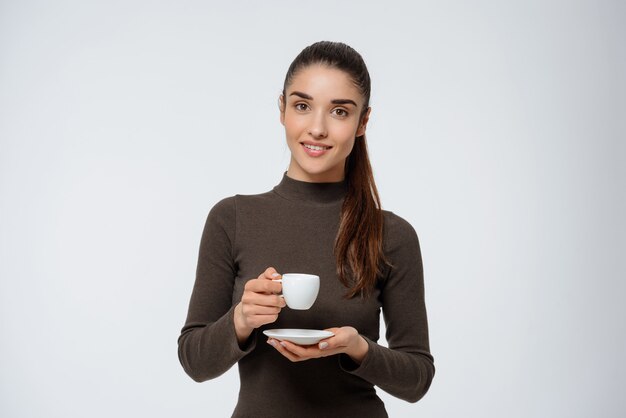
point(322, 193)
point(297, 173)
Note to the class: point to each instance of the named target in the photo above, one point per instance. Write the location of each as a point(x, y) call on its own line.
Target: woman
point(322, 218)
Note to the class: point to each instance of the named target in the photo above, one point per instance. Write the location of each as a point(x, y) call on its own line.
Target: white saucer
point(298, 336)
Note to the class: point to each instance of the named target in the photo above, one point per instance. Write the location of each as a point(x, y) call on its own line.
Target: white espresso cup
point(300, 290)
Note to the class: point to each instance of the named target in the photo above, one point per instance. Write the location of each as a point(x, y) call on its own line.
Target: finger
point(343, 337)
point(330, 342)
point(262, 285)
point(281, 349)
point(339, 340)
point(256, 321)
point(271, 274)
point(304, 352)
point(262, 310)
point(329, 347)
point(252, 298)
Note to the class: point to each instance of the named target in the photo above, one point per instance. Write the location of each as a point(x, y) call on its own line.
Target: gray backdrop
point(497, 130)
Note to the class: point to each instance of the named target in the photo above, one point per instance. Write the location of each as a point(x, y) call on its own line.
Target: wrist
point(242, 330)
point(358, 353)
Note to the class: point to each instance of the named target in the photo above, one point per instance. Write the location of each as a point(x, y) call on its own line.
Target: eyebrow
point(334, 101)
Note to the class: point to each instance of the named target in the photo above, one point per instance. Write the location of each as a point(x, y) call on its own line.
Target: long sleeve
point(293, 228)
point(207, 345)
point(406, 368)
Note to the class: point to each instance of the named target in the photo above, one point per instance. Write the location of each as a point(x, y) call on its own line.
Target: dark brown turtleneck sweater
point(292, 228)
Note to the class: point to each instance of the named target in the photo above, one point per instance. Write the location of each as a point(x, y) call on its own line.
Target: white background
point(497, 131)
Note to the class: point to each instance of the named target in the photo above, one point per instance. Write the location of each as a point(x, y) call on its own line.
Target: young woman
point(324, 217)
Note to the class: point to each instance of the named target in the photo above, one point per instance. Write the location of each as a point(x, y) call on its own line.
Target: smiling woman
point(323, 218)
point(321, 118)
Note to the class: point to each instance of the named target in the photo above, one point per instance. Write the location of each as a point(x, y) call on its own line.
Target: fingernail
point(323, 345)
point(271, 342)
point(275, 275)
point(283, 344)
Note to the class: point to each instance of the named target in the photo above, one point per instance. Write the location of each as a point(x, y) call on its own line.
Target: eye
point(298, 106)
point(342, 112)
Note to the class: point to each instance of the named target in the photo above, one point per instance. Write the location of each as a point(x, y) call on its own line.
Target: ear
point(281, 107)
point(361, 130)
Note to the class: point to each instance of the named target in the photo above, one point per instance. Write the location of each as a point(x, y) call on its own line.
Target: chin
point(322, 174)
point(314, 168)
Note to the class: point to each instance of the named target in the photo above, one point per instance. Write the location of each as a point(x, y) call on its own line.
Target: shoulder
point(401, 248)
point(258, 199)
point(397, 231)
point(400, 242)
point(225, 203)
point(226, 208)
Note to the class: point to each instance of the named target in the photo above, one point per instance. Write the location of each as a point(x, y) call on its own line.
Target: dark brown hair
point(359, 242)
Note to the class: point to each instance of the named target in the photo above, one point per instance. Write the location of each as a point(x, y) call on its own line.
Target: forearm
point(404, 375)
point(359, 351)
point(242, 331)
point(207, 351)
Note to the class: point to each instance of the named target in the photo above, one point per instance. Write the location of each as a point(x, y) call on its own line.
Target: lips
point(314, 153)
point(316, 147)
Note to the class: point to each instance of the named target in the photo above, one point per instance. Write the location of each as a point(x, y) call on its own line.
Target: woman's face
point(322, 108)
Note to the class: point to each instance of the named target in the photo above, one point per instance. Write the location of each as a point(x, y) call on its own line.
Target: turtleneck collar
point(321, 193)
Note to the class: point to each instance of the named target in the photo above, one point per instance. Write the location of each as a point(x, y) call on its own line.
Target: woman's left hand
point(346, 340)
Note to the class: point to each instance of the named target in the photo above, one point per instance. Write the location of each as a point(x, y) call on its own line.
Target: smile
point(315, 147)
point(315, 151)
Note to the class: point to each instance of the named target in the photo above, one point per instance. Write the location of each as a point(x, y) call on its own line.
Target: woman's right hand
point(260, 304)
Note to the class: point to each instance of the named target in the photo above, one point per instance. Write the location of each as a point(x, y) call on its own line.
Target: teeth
point(315, 147)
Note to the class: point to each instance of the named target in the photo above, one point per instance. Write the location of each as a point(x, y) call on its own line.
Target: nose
point(318, 126)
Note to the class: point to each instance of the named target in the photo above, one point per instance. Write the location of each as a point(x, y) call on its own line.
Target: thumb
point(271, 273)
point(331, 342)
